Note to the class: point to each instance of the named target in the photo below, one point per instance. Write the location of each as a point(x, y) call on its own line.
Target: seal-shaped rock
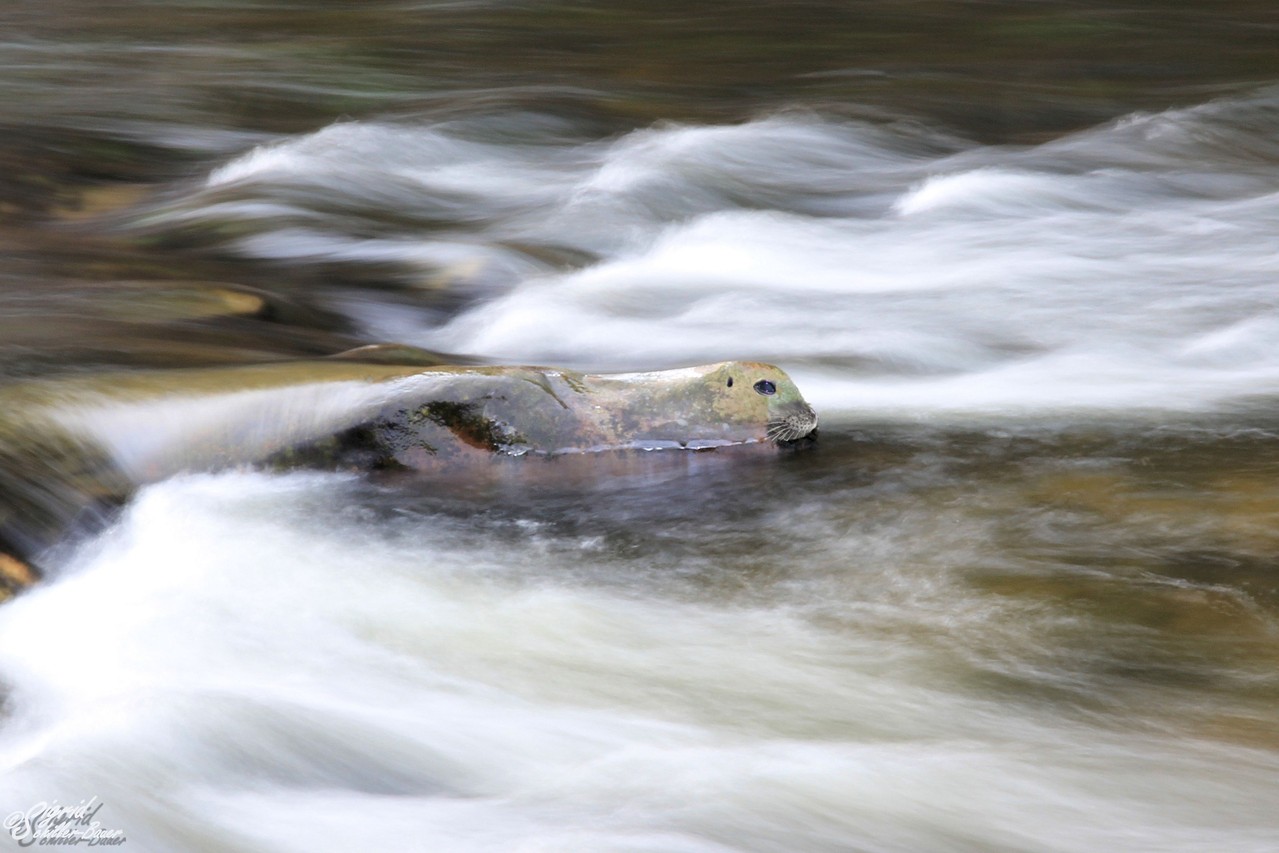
point(86, 442)
point(444, 415)
point(153, 425)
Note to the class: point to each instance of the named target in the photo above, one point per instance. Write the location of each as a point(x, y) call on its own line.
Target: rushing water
point(1023, 595)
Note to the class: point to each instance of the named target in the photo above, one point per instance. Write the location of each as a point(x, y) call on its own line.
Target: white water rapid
point(990, 612)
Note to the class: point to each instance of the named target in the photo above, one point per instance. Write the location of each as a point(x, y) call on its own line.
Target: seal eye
point(765, 387)
point(730, 382)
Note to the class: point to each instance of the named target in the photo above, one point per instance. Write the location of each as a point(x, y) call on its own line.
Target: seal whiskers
point(792, 426)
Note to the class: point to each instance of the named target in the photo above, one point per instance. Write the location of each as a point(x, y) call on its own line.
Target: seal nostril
point(765, 387)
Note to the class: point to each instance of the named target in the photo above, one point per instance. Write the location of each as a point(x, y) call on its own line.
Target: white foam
point(1117, 267)
point(996, 192)
point(155, 436)
point(1007, 280)
point(248, 657)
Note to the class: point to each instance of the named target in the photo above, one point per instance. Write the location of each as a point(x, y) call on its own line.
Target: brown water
point(1023, 595)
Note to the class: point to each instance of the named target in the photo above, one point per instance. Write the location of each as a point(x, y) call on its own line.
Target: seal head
point(734, 402)
point(788, 417)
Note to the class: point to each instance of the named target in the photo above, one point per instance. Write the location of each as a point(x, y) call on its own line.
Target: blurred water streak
point(1022, 596)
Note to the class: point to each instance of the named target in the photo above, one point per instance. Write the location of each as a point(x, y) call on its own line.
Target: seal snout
point(793, 423)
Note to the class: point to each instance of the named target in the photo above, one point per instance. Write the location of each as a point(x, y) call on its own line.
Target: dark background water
point(1000, 71)
point(108, 105)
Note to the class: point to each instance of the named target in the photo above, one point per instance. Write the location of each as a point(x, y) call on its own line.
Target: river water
point(1023, 595)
